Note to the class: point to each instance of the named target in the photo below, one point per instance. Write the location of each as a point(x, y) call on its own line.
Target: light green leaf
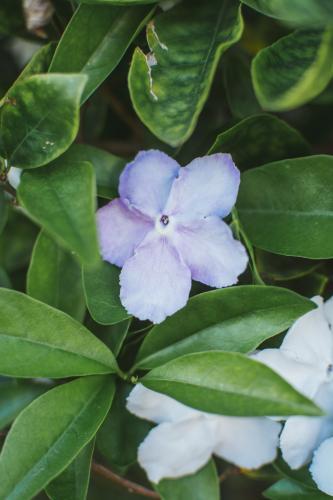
point(50, 433)
point(304, 65)
point(302, 12)
point(204, 484)
point(40, 118)
point(14, 396)
point(170, 85)
point(3, 210)
point(73, 482)
point(54, 277)
point(43, 342)
point(286, 207)
point(289, 490)
point(62, 199)
point(260, 139)
point(108, 167)
point(232, 319)
point(111, 29)
point(228, 383)
point(101, 286)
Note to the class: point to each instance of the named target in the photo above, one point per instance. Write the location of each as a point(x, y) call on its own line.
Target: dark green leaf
point(228, 383)
point(101, 285)
point(43, 342)
point(202, 485)
point(286, 207)
point(62, 199)
point(72, 484)
point(231, 319)
point(14, 396)
point(170, 85)
point(54, 277)
point(111, 29)
point(260, 139)
point(4, 279)
point(40, 118)
point(50, 433)
point(304, 67)
point(3, 210)
point(289, 490)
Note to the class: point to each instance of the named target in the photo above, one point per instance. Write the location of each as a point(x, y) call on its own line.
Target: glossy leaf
point(260, 139)
point(170, 85)
point(101, 285)
point(232, 319)
point(302, 12)
point(286, 207)
point(228, 383)
point(111, 30)
point(62, 199)
point(289, 490)
point(68, 417)
point(305, 68)
point(40, 118)
point(73, 482)
point(204, 484)
point(44, 342)
point(107, 166)
point(54, 277)
point(14, 397)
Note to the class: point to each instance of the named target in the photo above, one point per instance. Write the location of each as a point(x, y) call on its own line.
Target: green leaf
point(3, 210)
point(5, 281)
point(108, 167)
point(11, 17)
point(302, 12)
point(101, 286)
point(73, 482)
point(40, 118)
point(114, 335)
point(170, 85)
point(228, 383)
point(238, 85)
point(54, 277)
point(304, 69)
point(122, 432)
point(260, 139)
point(14, 396)
point(204, 484)
point(289, 490)
point(44, 342)
point(286, 207)
point(111, 29)
point(231, 319)
point(62, 199)
point(50, 433)
point(118, 2)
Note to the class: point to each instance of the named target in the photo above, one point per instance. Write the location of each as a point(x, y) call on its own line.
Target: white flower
point(305, 360)
point(185, 438)
point(14, 177)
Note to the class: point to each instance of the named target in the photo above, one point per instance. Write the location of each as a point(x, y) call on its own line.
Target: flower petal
point(310, 339)
point(304, 377)
point(207, 186)
point(322, 467)
point(146, 182)
point(247, 442)
point(301, 436)
point(155, 282)
point(157, 407)
point(176, 449)
point(120, 230)
point(210, 251)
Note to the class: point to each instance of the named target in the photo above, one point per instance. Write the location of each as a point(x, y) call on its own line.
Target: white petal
point(247, 442)
point(176, 449)
point(322, 467)
point(157, 407)
point(14, 176)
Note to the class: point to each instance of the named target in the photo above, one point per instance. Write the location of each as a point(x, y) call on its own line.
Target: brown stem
point(131, 487)
point(228, 472)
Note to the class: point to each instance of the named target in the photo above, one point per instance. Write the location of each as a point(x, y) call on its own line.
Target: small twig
point(229, 472)
point(131, 487)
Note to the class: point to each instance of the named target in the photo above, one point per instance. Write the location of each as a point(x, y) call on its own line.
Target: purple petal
point(154, 282)
point(120, 230)
point(207, 186)
point(147, 180)
point(210, 251)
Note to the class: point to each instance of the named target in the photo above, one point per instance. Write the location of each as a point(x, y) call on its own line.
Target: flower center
point(164, 220)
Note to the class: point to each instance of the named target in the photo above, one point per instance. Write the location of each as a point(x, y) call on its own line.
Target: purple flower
point(166, 229)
